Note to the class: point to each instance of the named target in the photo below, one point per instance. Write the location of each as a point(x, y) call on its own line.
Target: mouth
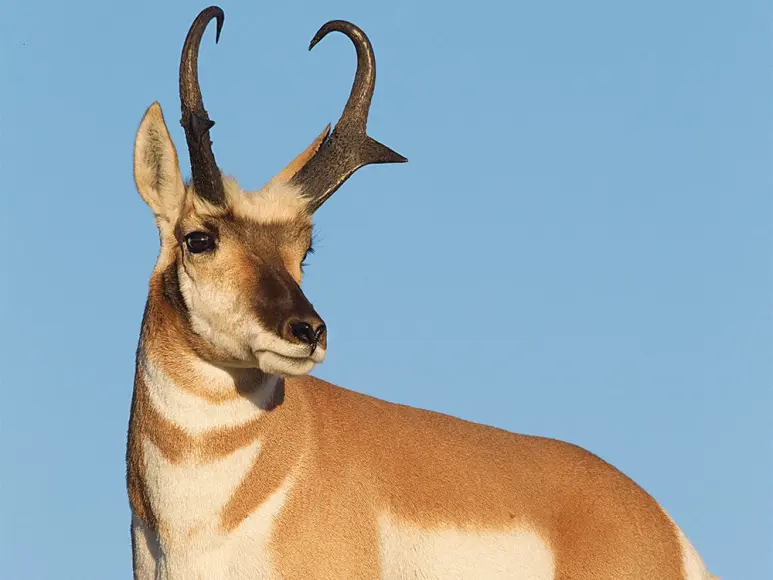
point(289, 365)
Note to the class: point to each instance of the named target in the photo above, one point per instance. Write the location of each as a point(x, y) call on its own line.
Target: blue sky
point(579, 247)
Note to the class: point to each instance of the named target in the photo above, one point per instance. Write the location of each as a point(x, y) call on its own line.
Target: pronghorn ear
point(296, 164)
point(156, 168)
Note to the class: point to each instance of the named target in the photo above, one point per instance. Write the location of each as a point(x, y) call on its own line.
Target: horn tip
point(315, 40)
point(220, 16)
point(324, 30)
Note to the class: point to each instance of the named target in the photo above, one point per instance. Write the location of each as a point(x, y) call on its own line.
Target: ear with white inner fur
point(156, 168)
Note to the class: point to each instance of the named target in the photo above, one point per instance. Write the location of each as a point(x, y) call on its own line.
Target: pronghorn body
point(241, 466)
point(330, 484)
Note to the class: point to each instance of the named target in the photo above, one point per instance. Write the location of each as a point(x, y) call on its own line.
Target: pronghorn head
point(231, 261)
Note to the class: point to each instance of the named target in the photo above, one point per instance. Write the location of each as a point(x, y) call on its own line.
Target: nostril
point(303, 332)
point(320, 332)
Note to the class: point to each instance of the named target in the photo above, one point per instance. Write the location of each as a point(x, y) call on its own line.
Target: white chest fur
point(187, 495)
point(188, 499)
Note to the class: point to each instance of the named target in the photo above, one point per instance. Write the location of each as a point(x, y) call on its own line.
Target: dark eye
point(198, 242)
point(306, 255)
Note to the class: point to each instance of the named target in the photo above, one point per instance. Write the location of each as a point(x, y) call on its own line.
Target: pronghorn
point(242, 466)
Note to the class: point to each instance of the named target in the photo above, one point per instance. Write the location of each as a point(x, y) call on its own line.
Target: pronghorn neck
point(193, 394)
point(208, 444)
point(199, 397)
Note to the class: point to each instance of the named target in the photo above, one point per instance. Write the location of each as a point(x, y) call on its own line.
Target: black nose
point(305, 332)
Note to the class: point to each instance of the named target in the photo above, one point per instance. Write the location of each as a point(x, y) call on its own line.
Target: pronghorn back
point(242, 466)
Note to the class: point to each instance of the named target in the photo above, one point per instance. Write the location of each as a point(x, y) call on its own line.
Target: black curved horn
point(207, 180)
point(349, 147)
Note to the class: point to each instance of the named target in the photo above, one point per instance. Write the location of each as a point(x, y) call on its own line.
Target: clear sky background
point(579, 247)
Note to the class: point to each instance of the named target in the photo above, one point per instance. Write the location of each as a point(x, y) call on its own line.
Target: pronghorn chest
point(197, 457)
point(188, 494)
point(188, 498)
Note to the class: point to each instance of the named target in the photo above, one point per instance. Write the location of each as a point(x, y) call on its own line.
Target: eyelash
point(306, 256)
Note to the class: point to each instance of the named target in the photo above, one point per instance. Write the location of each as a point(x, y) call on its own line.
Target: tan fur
point(470, 477)
point(348, 486)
